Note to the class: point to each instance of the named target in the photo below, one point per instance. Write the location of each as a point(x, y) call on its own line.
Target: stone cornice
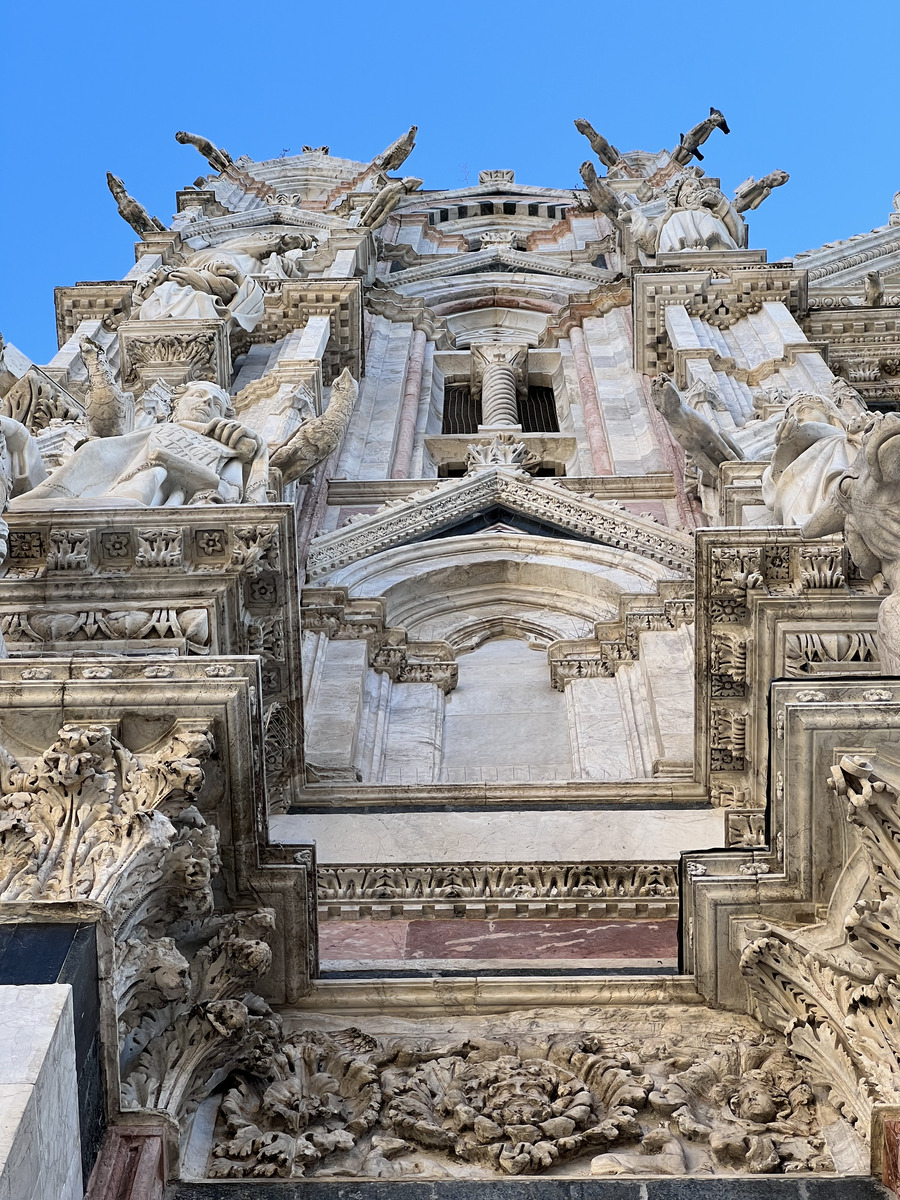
point(420, 516)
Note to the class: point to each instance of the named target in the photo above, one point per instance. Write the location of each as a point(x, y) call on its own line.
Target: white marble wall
point(563, 835)
point(503, 720)
point(40, 1150)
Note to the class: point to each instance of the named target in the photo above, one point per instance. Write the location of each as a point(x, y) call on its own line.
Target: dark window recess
point(537, 414)
point(445, 214)
point(462, 211)
point(462, 412)
point(509, 207)
point(600, 261)
point(431, 218)
point(396, 265)
point(534, 210)
point(551, 210)
point(487, 209)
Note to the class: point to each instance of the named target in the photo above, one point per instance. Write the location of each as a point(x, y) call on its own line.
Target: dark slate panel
point(760, 1187)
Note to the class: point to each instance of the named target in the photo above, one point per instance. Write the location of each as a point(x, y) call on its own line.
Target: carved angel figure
point(201, 456)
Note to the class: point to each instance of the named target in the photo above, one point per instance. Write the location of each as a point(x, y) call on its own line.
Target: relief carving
point(348, 1105)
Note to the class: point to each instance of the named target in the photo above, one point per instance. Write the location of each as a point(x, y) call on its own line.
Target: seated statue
point(814, 444)
point(218, 288)
point(698, 217)
point(201, 456)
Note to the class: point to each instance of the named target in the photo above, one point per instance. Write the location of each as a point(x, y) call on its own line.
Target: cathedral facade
point(449, 704)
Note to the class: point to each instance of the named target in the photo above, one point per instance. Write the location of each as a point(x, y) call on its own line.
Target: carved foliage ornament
point(344, 1104)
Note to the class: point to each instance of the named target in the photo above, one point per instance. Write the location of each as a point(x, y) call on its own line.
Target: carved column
point(593, 418)
point(409, 410)
point(499, 373)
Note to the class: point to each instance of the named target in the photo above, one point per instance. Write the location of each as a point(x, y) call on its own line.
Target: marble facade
point(449, 645)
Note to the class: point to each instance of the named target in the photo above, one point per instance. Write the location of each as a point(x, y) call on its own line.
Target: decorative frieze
point(480, 889)
point(174, 350)
point(387, 1108)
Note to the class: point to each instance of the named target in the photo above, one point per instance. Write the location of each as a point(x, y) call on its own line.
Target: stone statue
point(314, 441)
point(260, 253)
point(386, 200)
point(108, 410)
point(603, 196)
point(864, 503)
point(218, 159)
point(874, 289)
point(397, 152)
point(130, 210)
point(814, 445)
point(691, 141)
point(218, 288)
point(201, 456)
point(705, 447)
point(698, 217)
point(751, 193)
point(607, 154)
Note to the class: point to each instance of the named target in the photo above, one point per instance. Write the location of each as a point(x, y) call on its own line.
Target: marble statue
point(201, 456)
point(217, 158)
point(603, 197)
point(384, 202)
point(751, 193)
point(215, 288)
point(108, 409)
point(698, 217)
point(874, 289)
point(814, 445)
point(130, 210)
point(277, 255)
point(705, 447)
point(864, 503)
point(607, 154)
point(689, 146)
point(316, 439)
point(397, 152)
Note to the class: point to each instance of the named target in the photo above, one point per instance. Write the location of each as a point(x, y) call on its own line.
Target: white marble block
point(40, 1150)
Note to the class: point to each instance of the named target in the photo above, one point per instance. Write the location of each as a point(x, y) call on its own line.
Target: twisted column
point(498, 396)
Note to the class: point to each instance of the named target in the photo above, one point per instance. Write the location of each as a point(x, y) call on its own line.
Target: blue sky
point(808, 87)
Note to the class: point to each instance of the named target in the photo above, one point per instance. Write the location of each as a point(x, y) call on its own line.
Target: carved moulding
point(769, 604)
point(177, 351)
point(331, 612)
point(149, 789)
point(801, 932)
point(837, 997)
point(344, 1103)
point(595, 889)
point(289, 305)
point(719, 297)
point(444, 505)
point(617, 642)
point(193, 581)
